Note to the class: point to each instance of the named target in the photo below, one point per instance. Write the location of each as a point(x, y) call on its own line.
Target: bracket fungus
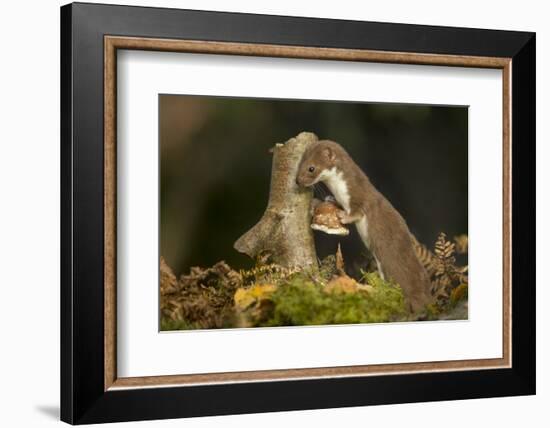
point(325, 219)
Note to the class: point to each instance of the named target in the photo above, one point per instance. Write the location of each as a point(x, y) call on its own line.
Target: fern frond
point(441, 267)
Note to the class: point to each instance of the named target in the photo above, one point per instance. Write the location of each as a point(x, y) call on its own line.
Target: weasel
point(381, 228)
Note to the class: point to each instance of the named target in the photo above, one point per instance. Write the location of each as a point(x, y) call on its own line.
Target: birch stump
point(283, 234)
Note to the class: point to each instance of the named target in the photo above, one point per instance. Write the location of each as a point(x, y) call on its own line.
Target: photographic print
point(299, 213)
point(294, 183)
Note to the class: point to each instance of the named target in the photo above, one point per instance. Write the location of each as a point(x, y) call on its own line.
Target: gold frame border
point(112, 43)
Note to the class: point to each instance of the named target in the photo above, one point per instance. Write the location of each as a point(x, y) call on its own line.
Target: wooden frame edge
point(507, 212)
point(109, 197)
point(112, 43)
point(301, 52)
point(298, 374)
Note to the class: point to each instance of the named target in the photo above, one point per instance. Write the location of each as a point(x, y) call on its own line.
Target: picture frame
point(91, 390)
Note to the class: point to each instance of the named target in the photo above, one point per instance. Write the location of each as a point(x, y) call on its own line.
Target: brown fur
point(389, 238)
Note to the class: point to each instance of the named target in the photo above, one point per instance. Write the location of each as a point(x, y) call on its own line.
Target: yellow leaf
point(459, 293)
point(246, 297)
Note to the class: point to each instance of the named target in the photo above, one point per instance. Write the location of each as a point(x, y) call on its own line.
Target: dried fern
point(270, 273)
point(441, 266)
point(425, 256)
point(201, 299)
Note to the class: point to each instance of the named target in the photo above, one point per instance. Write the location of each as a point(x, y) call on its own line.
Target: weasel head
point(318, 159)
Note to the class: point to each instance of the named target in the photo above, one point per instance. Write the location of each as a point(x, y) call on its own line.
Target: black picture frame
point(83, 398)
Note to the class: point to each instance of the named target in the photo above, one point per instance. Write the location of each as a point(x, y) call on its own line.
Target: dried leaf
point(340, 266)
point(461, 242)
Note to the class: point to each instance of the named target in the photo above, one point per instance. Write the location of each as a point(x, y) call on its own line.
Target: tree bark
point(284, 233)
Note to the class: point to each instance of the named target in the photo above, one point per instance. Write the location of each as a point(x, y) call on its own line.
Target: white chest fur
point(335, 182)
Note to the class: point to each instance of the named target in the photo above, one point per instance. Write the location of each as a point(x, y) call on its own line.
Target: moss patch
point(303, 302)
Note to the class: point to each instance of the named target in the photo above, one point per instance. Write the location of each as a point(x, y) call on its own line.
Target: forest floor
point(270, 295)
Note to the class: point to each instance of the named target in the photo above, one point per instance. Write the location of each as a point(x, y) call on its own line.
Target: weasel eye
point(311, 168)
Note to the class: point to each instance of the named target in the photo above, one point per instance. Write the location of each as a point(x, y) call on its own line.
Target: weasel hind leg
point(379, 267)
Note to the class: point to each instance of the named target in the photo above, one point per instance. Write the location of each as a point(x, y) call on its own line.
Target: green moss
point(374, 279)
point(301, 301)
point(167, 324)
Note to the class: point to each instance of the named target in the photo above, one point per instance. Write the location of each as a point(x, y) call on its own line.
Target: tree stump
point(283, 234)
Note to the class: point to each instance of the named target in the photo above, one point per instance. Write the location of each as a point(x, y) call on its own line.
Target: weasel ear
point(328, 153)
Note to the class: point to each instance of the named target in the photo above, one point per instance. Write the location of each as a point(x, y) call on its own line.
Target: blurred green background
point(215, 168)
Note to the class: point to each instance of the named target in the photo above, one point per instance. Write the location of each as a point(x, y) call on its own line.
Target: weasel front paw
point(343, 217)
point(346, 218)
